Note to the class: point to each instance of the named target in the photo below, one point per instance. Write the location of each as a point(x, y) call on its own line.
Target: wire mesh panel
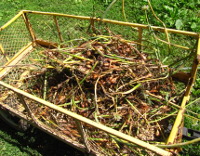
point(12, 39)
point(58, 29)
point(71, 31)
point(126, 77)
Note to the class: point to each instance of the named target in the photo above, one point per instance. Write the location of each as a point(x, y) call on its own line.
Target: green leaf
point(179, 24)
point(193, 26)
point(168, 8)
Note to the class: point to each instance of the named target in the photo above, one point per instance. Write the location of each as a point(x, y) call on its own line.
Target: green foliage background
point(179, 14)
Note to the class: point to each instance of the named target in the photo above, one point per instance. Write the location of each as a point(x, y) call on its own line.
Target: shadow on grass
point(35, 142)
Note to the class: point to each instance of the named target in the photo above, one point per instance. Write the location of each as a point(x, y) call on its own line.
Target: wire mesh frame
point(92, 21)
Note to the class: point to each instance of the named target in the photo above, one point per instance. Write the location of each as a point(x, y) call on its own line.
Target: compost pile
point(108, 80)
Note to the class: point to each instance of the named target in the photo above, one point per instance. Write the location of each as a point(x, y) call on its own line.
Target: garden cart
point(102, 86)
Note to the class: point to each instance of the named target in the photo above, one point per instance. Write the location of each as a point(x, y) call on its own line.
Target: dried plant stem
point(45, 87)
point(81, 82)
point(192, 117)
point(95, 97)
point(83, 135)
point(108, 8)
point(131, 90)
point(180, 144)
point(162, 118)
point(171, 103)
point(195, 101)
point(166, 32)
point(75, 56)
point(123, 11)
point(3, 52)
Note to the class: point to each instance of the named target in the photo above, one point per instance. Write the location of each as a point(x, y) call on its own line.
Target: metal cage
point(23, 34)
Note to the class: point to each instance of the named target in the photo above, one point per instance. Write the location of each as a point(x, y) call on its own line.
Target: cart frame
point(9, 65)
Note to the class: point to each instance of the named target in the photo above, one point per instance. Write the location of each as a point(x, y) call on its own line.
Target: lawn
point(13, 143)
point(178, 14)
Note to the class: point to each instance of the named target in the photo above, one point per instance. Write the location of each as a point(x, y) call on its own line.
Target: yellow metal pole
point(14, 60)
point(194, 68)
point(58, 29)
point(118, 22)
point(3, 52)
point(140, 30)
point(29, 27)
point(179, 119)
point(45, 128)
point(90, 122)
point(11, 21)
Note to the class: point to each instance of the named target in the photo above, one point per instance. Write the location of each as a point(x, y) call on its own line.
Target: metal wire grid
point(61, 29)
point(71, 31)
point(12, 39)
point(22, 70)
point(62, 125)
point(44, 27)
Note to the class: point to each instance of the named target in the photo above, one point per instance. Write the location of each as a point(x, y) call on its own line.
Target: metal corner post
point(179, 119)
point(29, 27)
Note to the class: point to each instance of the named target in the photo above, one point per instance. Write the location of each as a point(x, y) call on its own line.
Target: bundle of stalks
point(108, 80)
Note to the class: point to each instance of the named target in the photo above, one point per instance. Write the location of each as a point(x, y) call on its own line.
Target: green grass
point(33, 142)
point(9, 146)
point(179, 14)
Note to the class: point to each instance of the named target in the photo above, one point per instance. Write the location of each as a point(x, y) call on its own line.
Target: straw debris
point(106, 79)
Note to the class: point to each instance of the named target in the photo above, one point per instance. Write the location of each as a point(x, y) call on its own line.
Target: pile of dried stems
point(106, 79)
